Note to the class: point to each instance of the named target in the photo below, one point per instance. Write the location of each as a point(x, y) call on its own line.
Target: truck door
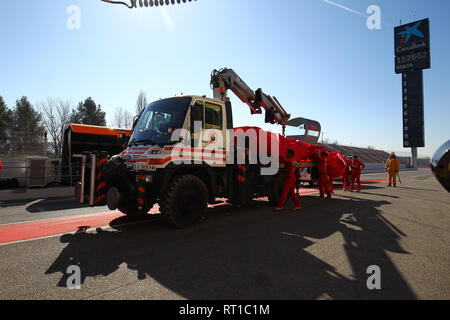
point(214, 136)
point(197, 117)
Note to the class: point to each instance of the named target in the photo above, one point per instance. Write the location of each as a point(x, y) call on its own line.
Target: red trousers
point(323, 185)
point(288, 188)
point(345, 180)
point(355, 177)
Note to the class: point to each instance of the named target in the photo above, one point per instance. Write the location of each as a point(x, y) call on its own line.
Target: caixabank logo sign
point(412, 46)
point(412, 37)
point(147, 3)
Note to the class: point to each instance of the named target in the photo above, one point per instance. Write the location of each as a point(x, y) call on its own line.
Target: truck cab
point(178, 142)
point(191, 125)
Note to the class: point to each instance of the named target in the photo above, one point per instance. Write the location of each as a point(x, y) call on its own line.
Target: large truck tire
point(314, 182)
point(185, 201)
point(129, 209)
point(125, 205)
point(132, 210)
point(275, 189)
point(314, 177)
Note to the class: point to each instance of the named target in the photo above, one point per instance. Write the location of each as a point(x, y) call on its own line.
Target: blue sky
point(318, 59)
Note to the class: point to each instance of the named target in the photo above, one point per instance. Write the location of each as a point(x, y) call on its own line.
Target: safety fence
point(37, 171)
point(21, 144)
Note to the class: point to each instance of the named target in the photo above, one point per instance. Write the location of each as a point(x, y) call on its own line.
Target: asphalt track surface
point(320, 252)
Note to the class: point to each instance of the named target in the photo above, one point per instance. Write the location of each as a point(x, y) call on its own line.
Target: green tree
point(27, 133)
point(87, 112)
point(5, 126)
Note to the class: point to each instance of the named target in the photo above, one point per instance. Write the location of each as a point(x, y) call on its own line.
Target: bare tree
point(141, 102)
point(55, 114)
point(123, 118)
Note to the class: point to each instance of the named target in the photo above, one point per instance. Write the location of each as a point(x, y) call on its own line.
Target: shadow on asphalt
point(379, 194)
point(56, 204)
point(364, 188)
point(14, 203)
point(251, 253)
point(43, 205)
point(418, 189)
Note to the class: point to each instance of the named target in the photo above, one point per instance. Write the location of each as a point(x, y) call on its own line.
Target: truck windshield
point(157, 122)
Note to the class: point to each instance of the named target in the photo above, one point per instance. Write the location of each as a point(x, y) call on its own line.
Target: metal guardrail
point(20, 168)
point(19, 171)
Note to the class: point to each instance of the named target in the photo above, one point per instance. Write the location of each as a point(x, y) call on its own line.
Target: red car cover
point(303, 150)
point(336, 165)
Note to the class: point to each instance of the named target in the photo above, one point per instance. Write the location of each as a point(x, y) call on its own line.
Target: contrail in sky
point(352, 10)
point(168, 21)
point(345, 8)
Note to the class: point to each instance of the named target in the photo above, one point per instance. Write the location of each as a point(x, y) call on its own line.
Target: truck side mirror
point(196, 113)
point(196, 116)
point(135, 121)
point(122, 138)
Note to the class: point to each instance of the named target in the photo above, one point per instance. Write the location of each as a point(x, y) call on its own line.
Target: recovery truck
point(184, 153)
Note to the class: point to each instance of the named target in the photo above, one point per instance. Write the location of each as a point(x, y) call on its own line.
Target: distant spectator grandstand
point(373, 156)
point(364, 154)
point(370, 155)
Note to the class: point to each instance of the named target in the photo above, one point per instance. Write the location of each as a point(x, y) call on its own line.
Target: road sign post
point(413, 109)
point(412, 55)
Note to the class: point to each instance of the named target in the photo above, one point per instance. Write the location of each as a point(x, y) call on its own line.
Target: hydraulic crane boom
point(226, 79)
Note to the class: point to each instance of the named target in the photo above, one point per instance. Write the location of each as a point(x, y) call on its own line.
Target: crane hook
point(131, 5)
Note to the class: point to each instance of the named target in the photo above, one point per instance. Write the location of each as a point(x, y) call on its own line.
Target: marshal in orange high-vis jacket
point(392, 167)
